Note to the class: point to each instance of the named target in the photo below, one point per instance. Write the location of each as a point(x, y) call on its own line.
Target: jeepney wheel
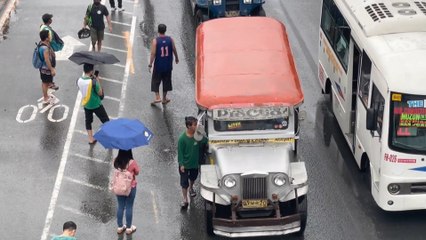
point(259, 12)
point(209, 218)
point(303, 210)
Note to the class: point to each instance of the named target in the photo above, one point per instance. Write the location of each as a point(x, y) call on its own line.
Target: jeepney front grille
point(254, 188)
point(232, 5)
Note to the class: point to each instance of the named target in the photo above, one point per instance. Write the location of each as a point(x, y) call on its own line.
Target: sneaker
point(192, 193)
point(184, 205)
point(121, 230)
point(131, 230)
point(121, 9)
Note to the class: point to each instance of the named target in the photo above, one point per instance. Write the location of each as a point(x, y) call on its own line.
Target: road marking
point(80, 131)
point(154, 207)
point(21, 110)
point(111, 80)
point(69, 44)
point(113, 35)
point(62, 164)
point(90, 158)
point(119, 65)
point(128, 64)
point(76, 211)
point(86, 184)
point(121, 23)
point(112, 98)
point(64, 115)
point(114, 49)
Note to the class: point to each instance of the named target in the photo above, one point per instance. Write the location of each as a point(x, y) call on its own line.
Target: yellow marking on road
point(129, 52)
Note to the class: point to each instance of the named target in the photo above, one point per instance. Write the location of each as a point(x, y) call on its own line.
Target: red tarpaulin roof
point(245, 61)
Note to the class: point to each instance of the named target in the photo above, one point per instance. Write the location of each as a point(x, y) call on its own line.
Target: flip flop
point(166, 101)
point(155, 102)
point(94, 142)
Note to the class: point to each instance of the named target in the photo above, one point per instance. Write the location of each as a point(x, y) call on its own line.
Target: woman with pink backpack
point(124, 186)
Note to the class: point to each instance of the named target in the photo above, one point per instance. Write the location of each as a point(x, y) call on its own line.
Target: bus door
point(356, 68)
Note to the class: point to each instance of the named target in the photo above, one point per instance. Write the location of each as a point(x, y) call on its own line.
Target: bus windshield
point(408, 123)
point(249, 125)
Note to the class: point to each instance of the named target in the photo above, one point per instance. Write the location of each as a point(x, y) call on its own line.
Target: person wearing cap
point(94, 18)
point(47, 20)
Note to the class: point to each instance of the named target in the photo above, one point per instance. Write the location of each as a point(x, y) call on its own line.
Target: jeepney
point(248, 94)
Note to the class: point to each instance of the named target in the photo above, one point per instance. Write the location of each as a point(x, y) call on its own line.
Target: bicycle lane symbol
point(42, 108)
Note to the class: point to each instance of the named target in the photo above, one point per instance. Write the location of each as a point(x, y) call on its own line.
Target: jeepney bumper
point(256, 227)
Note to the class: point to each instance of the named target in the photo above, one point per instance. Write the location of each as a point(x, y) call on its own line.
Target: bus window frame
point(365, 82)
point(338, 35)
point(378, 105)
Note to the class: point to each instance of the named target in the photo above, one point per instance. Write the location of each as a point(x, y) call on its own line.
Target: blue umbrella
point(123, 133)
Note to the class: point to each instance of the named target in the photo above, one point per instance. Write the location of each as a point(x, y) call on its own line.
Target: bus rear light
point(393, 188)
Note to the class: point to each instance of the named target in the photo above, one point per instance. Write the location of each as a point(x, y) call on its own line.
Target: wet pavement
point(36, 199)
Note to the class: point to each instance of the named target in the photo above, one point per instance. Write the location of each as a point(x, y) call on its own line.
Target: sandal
point(166, 101)
point(94, 142)
point(156, 101)
point(121, 230)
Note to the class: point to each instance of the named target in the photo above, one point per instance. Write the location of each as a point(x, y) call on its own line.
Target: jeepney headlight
point(394, 188)
point(217, 2)
point(247, 1)
point(229, 181)
point(279, 180)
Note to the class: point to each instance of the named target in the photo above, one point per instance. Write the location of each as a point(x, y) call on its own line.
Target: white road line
point(90, 158)
point(119, 65)
point(154, 207)
point(128, 13)
point(85, 184)
point(76, 211)
point(111, 80)
point(127, 69)
point(112, 98)
point(114, 49)
point(121, 23)
point(81, 132)
point(62, 164)
point(113, 35)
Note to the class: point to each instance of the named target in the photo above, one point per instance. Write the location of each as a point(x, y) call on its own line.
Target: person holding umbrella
point(90, 87)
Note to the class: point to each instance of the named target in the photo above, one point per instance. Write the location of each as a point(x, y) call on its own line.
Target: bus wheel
point(209, 218)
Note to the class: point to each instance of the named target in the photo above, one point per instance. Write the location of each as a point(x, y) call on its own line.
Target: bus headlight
point(279, 180)
point(217, 2)
point(247, 1)
point(394, 188)
point(229, 181)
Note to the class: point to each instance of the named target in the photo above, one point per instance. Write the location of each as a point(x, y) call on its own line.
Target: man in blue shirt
point(162, 57)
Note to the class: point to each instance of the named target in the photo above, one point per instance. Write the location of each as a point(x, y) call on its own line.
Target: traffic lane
point(365, 215)
point(32, 149)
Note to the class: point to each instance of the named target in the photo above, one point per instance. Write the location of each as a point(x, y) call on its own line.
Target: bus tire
point(209, 218)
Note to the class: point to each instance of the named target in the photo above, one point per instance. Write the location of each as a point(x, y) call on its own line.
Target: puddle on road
point(12, 18)
point(147, 25)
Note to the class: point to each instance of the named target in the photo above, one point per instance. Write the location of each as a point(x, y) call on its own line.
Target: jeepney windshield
point(408, 123)
point(248, 119)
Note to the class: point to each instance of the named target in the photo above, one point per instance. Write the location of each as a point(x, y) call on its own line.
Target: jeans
point(126, 203)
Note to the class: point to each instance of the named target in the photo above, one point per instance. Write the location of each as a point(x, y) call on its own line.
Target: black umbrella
point(94, 58)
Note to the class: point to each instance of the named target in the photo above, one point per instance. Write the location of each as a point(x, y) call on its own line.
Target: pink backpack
point(121, 183)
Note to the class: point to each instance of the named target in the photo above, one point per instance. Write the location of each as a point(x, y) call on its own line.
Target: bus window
point(408, 123)
point(336, 30)
point(364, 85)
point(378, 104)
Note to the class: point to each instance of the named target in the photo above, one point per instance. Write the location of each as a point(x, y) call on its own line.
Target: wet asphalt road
point(340, 206)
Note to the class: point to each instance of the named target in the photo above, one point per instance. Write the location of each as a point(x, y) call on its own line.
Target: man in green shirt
point(69, 230)
point(91, 90)
point(188, 157)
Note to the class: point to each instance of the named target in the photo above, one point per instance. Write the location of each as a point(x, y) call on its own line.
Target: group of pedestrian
point(163, 52)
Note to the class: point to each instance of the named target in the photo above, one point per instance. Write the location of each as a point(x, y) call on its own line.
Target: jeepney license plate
point(232, 13)
point(255, 203)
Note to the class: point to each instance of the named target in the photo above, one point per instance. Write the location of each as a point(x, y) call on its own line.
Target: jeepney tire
point(303, 209)
point(209, 218)
point(259, 12)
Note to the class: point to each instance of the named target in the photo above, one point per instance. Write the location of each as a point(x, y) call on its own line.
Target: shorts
point(45, 78)
point(158, 77)
point(188, 174)
point(96, 35)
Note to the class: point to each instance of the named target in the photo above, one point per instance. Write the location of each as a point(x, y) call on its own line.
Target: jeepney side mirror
point(371, 117)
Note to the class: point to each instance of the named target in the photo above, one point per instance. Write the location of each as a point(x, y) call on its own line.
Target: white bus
point(372, 62)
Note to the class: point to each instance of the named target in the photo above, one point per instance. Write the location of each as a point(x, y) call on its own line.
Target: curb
point(5, 15)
